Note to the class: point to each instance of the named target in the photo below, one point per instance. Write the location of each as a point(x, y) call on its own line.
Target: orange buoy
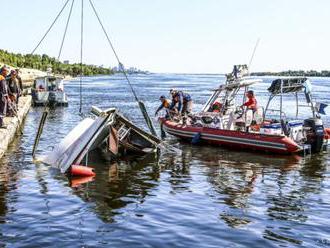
point(83, 171)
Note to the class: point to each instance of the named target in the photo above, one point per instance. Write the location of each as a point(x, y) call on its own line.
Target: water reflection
point(118, 184)
point(202, 196)
point(240, 180)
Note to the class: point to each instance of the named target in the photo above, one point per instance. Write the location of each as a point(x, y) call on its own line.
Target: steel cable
point(65, 31)
point(140, 103)
point(51, 26)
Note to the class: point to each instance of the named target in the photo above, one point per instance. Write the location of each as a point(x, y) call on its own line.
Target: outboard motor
point(314, 131)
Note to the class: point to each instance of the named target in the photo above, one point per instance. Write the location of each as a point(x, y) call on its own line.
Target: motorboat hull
point(235, 139)
point(49, 90)
point(49, 98)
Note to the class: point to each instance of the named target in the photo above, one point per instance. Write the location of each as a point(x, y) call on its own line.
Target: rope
point(140, 103)
point(81, 53)
point(51, 26)
point(114, 51)
point(66, 29)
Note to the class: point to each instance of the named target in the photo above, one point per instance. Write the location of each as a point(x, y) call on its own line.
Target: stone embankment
point(14, 124)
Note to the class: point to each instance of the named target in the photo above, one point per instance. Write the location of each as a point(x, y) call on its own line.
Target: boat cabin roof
point(49, 78)
point(288, 85)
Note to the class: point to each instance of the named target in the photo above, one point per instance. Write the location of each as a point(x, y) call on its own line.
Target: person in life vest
point(183, 100)
point(165, 104)
point(251, 103)
point(4, 98)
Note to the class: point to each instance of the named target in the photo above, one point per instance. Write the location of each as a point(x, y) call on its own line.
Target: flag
point(320, 108)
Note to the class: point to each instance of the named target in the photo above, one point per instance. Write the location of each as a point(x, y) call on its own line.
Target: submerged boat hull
point(235, 139)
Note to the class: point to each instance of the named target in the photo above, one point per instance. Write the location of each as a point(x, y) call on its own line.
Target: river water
point(200, 197)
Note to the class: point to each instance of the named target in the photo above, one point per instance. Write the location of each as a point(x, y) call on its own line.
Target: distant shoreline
point(290, 73)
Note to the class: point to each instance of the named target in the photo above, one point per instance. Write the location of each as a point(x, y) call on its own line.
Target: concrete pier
point(14, 124)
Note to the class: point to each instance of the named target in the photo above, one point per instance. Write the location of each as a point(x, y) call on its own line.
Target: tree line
point(43, 62)
point(299, 73)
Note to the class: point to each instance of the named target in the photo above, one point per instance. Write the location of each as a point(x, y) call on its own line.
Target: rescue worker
point(164, 104)
point(183, 100)
point(3, 95)
point(251, 103)
point(14, 87)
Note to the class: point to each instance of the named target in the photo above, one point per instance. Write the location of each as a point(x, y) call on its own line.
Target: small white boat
point(49, 90)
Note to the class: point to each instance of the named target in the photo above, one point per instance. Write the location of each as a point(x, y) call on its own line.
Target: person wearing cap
point(3, 95)
point(183, 100)
point(164, 104)
point(251, 103)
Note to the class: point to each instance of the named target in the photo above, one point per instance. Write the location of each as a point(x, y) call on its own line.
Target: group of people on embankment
point(11, 88)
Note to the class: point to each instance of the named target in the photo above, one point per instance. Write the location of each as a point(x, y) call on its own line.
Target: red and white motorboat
point(265, 129)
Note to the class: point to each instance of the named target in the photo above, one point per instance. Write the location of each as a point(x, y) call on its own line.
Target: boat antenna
point(140, 103)
point(81, 54)
point(253, 53)
point(51, 26)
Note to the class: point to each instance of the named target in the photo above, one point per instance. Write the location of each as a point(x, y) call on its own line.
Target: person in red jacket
point(251, 102)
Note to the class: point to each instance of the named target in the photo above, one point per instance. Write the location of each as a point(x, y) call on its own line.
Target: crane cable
point(140, 103)
point(51, 26)
point(81, 55)
point(113, 49)
point(46, 109)
point(65, 31)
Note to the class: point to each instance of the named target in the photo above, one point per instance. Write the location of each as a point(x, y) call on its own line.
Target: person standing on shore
point(14, 87)
point(3, 94)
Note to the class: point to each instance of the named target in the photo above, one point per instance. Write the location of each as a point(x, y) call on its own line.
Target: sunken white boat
point(107, 131)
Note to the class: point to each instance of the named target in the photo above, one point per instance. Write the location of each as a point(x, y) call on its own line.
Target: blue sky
point(191, 36)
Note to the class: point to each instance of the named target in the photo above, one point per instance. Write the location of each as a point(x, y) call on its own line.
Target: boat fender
point(82, 171)
point(196, 139)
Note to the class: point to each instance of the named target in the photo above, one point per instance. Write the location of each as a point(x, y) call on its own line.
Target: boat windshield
point(49, 84)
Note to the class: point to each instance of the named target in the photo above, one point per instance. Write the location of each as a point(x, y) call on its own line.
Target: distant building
point(66, 62)
point(130, 70)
